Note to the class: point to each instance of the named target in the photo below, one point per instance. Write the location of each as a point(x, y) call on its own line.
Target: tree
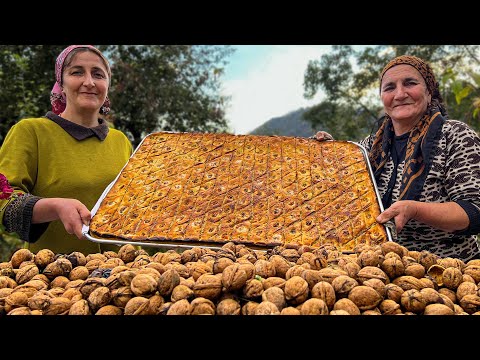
point(168, 88)
point(350, 77)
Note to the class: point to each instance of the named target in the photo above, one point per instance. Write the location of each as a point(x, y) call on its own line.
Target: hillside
point(291, 124)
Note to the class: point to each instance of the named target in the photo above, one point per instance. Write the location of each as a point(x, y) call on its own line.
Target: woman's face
point(85, 82)
point(404, 94)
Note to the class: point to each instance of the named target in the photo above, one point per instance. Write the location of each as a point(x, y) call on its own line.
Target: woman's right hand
point(71, 212)
point(322, 136)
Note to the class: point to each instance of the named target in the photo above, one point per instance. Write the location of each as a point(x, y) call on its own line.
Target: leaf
point(462, 94)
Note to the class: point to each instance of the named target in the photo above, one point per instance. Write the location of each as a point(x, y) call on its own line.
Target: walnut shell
point(44, 257)
point(315, 262)
point(253, 289)
point(438, 309)
point(347, 305)
point(340, 312)
point(154, 305)
point(415, 270)
point(296, 290)
point(452, 277)
point(181, 292)
point(109, 310)
point(391, 246)
point(275, 295)
point(473, 271)
point(79, 272)
point(202, 306)
point(127, 253)
point(412, 300)
point(143, 285)
point(58, 306)
point(99, 297)
point(325, 291)
point(295, 270)
point(199, 269)
point(290, 310)
point(378, 285)
point(59, 281)
point(314, 306)
point(181, 307)
point(181, 269)
point(264, 269)
point(365, 297)
point(371, 272)
point(449, 293)
point(343, 284)
point(389, 307)
point(266, 308)
point(470, 303)
point(248, 267)
point(20, 256)
point(136, 306)
point(273, 281)
point(228, 307)
point(89, 285)
point(290, 255)
point(280, 264)
point(23, 310)
point(167, 282)
point(26, 273)
point(408, 282)
point(60, 267)
point(466, 288)
point(370, 258)
point(77, 259)
point(121, 296)
point(208, 286)
point(233, 278)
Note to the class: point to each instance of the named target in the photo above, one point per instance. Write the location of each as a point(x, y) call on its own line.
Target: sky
point(266, 81)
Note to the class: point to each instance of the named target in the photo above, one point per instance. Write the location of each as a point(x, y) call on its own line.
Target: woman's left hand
point(401, 212)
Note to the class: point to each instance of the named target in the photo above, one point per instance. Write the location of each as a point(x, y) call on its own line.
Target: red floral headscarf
point(57, 97)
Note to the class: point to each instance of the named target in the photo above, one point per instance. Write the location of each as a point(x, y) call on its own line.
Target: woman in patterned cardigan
point(426, 166)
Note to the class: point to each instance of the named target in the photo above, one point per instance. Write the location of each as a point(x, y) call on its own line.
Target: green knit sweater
point(41, 158)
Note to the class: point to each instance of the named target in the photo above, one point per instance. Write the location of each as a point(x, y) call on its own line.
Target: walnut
point(181, 269)
point(311, 277)
point(325, 291)
point(415, 270)
point(249, 308)
point(459, 310)
point(314, 306)
point(242, 250)
point(119, 269)
point(149, 271)
point(316, 262)
point(143, 285)
point(57, 291)
point(365, 297)
point(89, 285)
point(371, 272)
point(369, 258)
point(393, 267)
point(23, 310)
point(15, 300)
point(228, 307)
point(328, 274)
point(226, 253)
point(473, 271)
point(250, 257)
point(266, 308)
point(253, 289)
point(452, 277)
point(125, 277)
point(127, 253)
point(280, 264)
point(290, 310)
point(449, 293)
point(164, 308)
point(372, 312)
point(60, 267)
point(340, 312)
point(167, 282)
point(154, 305)
point(58, 306)
point(96, 256)
point(273, 281)
point(391, 246)
point(187, 282)
point(389, 307)
point(26, 273)
point(470, 303)
point(188, 256)
point(408, 282)
point(290, 255)
point(181, 292)
point(248, 267)
point(171, 256)
point(75, 284)
point(59, 281)
point(121, 296)
point(77, 259)
point(296, 290)
point(72, 294)
point(347, 305)
point(136, 306)
point(438, 309)
point(20, 256)
point(181, 307)
point(466, 288)
point(37, 284)
point(408, 260)
point(109, 310)
point(275, 295)
point(467, 278)
point(233, 278)
point(199, 269)
point(5, 281)
point(208, 286)
point(413, 300)
point(157, 266)
point(202, 306)
point(427, 259)
point(378, 285)
point(343, 284)
point(79, 272)
point(140, 261)
point(99, 297)
point(264, 268)
point(44, 257)
point(112, 263)
point(451, 262)
point(350, 267)
point(427, 282)
point(110, 254)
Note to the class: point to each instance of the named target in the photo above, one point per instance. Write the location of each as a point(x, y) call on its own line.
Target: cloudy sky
point(266, 81)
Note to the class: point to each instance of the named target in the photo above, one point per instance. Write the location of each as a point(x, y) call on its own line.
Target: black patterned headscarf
point(418, 157)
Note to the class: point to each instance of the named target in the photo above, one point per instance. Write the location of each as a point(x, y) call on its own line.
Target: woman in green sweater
point(60, 164)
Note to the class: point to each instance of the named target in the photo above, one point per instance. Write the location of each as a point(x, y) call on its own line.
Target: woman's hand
point(401, 212)
point(71, 212)
point(322, 136)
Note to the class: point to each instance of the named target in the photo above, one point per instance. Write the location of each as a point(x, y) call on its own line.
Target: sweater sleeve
point(463, 172)
point(18, 162)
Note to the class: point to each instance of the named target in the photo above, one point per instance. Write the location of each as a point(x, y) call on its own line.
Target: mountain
point(291, 124)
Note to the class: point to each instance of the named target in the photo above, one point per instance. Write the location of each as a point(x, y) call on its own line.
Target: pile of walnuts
point(385, 279)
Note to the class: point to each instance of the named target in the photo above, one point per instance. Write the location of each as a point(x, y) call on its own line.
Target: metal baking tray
point(188, 244)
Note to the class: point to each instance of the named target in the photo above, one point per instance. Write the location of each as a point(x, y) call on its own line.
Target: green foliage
point(154, 87)
point(167, 88)
point(9, 243)
point(350, 78)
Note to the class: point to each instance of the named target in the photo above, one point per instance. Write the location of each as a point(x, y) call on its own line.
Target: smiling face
point(85, 82)
point(405, 96)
